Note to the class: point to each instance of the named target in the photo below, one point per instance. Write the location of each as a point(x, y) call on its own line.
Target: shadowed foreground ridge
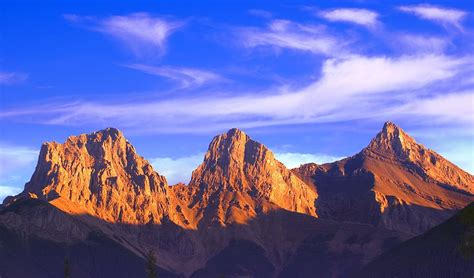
point(242, 214)
point(444, 251)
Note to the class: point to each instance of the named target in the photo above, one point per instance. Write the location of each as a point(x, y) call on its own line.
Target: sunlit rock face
point(240, 178)
point(102, 174)
point(395, 146)
point(394, 182)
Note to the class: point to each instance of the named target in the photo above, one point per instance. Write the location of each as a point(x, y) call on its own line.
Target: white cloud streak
point(352, 88)
point(9, 78)
point(14, 157)
point(440, 15)
point(260, 13)
point(6, 191)
point(140, 32)
point(447, 108)
point(415, 43)
point(16, 165)
point(180, 169)
point(284, 34)
point(292, 160)
point(186, 77)
point(362, 17)
point(177, 169)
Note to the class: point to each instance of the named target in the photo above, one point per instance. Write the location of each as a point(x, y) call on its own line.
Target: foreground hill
point(37, 239)
point(444, 251)
point(242, 214)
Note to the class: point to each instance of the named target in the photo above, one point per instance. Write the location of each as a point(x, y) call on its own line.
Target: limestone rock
point(101, 173)
point(394, 182)
point(240, 178)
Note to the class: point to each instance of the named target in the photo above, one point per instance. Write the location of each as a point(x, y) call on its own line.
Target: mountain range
point(94, 202)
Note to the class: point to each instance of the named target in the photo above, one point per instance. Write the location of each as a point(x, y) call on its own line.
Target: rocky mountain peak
point(394, 145)
point(393, 141)
point(229, 155)
point(229, 149)
point(101, 173)
point(235, 166)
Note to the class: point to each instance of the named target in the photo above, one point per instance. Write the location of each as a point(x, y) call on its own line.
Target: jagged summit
point(233, 149)
point(100, 173)
point(109, 131)
point(395, 146)
point(393, 141)
point(240, 172)
point(392, 176)
point(392, 131)
point(235, 132)
point(100, 135)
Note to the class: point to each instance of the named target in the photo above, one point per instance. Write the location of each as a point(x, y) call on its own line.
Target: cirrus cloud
point(186, 77)
point(285, 34)
point(177, 169)
point(8, 78)
point(351, 88)
point(362, 17)
point(292, 159)
point(441, 15)
point(140, 32)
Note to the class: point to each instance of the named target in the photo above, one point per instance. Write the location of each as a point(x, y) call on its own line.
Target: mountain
point(394, 183)
point(242, 214)
point(447, 250)
point(241, 178)
point(100, 174)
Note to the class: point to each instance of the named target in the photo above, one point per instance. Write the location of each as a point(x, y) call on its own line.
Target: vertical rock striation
point(240, 178)
point(102, 174)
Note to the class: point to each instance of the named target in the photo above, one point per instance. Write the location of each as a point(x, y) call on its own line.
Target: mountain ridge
point(241, 198)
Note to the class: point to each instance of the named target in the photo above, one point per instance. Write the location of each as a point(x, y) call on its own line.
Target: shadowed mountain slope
point(36, 239)
point(446, 250)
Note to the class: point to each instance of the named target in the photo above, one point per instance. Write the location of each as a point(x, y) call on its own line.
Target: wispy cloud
point(140, 32)
point(8, 78)
point(363, 17)
point(416, 43)
point(6, 191)
point(441, 15)
point(460, 153)
point(186, 77)
point(260, 13)
point(351, 88)
point(177, 169)
point(284, 34)
point(292, 160)
point(16, 165)
point(444, 108)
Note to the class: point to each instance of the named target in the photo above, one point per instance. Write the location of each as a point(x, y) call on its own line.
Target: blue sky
point(314, 81)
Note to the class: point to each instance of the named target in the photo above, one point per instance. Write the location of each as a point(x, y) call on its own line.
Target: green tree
point(67, 268)
point(151, 265)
